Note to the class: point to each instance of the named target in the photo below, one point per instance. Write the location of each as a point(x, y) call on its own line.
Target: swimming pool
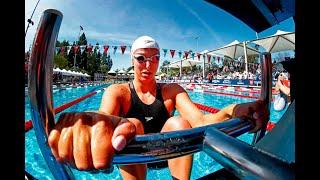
point(36, 166)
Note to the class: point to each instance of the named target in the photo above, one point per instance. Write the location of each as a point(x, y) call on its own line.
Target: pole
point(245, 56)
point(29, 20)
point(204, 66)
point(75, 54)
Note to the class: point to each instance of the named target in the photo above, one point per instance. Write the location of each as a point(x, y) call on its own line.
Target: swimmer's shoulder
point(118, 90)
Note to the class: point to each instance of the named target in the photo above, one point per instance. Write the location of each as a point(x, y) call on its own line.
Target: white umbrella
point(234, 50)
point(56, 70)
point(184, 63)
point(121, 71)
point(111, 72)
point(131, 71)
point(280, 41)
point(65, 72)
point(70, 72)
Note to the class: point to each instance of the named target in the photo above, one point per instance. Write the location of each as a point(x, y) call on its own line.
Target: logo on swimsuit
point(148, 118)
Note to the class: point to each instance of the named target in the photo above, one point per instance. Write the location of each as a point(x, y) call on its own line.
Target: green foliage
point(162, 67)
point(60, 61)
point(82, 40)
point(106, 63)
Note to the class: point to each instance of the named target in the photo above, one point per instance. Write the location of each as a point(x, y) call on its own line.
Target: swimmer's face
point(145, 62)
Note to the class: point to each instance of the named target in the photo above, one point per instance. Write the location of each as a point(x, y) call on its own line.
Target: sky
point(174, 24)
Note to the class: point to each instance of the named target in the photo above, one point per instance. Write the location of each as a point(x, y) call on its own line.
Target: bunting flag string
point(123, 48)
point(65, 50)
point(172, 52)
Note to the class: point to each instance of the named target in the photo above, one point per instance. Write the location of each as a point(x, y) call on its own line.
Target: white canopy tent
point(236, 49)
point(111, 72)
point(55, 70)
point(121, 72)
point(183, 63)
point(280, 41)
point(131, 71)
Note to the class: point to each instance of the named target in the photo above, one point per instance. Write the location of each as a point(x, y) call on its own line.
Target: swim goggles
point(143, 59)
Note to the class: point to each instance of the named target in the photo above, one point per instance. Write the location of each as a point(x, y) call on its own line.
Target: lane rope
point(28, 125)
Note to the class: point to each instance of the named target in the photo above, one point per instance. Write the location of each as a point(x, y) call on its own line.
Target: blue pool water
point(36, 166)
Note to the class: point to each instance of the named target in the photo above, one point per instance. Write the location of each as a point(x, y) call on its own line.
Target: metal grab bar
point(243, 160)
point(40, 87)
point(266, 89)
point(164, 146)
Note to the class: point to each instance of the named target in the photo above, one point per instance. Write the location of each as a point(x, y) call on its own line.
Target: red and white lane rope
point(270, 125)
point(28, 125)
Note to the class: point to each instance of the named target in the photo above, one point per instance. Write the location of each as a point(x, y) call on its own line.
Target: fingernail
point(119, 143)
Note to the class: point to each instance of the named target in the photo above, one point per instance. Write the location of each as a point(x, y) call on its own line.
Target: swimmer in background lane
point(282, 90)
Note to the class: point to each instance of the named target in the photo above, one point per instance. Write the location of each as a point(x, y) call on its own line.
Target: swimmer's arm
point(109, 103)
point(189, 111)
point(284, 89)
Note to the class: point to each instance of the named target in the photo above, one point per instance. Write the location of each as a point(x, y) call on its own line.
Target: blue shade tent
point(258, 14)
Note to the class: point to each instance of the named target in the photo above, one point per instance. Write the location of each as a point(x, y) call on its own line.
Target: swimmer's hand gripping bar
point(164, 146)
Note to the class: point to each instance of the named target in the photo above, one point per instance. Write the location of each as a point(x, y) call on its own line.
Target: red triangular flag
point(123, 48)
point(198, 55)
point(209, 57)
point(89, 48)
point(172, 52)
point(105, 51)
point(75, 49)
point(186, 53)
point(62, 50)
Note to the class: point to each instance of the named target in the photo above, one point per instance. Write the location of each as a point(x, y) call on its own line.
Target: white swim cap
point(144, 42)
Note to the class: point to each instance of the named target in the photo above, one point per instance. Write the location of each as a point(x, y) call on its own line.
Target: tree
point(106, 63)
point(82, 40)
point(162, 67)
point(60, 61)
point(94, 61)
